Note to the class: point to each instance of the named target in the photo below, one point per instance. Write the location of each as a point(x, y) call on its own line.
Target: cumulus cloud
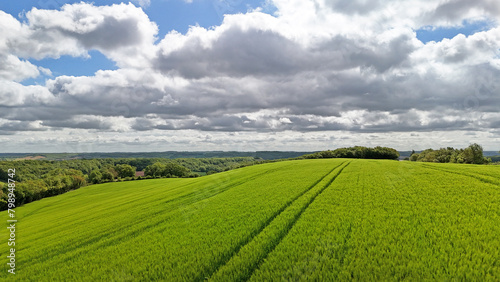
point(10, 127)
point(314, 67)
point(122, 32)
point(83, 122)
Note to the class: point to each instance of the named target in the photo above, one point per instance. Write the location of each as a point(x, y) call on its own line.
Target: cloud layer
point(333, 67)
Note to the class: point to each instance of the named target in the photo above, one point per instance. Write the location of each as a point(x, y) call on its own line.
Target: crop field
point(326, 219)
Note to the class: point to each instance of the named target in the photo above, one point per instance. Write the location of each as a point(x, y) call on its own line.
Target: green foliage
point(53, 183)
point(107, 176)
point(125, 170)
point(414, 157)
point(166, 170)
point(357, 152)
point(155, 169)
point(470, 155)
point(95, 177)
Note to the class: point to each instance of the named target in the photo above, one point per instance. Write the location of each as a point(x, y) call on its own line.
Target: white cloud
point(12, 68)
point(316, 70)
point(13, 94)
point(122, 32)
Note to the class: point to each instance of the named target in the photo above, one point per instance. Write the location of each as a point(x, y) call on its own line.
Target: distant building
point(139, 173)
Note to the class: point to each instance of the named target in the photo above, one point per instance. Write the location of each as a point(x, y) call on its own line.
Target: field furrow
point(483, 177)
point(122, 231)
point(147, 204)
point(242, 264)
point(393, 221)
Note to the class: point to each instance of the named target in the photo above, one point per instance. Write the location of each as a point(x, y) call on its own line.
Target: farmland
point(325, 219)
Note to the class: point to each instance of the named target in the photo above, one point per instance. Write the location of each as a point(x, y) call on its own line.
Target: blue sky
point(180, 15)
point(294, 75)
point(167, 14)
point(437, 34)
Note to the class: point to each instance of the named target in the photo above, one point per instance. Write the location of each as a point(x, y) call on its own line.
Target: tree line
point(357, 152)
point(470, 155)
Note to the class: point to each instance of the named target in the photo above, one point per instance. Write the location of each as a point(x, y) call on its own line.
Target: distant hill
point(490, 153)
point(266, 155)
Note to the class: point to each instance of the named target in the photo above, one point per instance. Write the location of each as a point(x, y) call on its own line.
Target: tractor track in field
point(296, 218)
point(223, 188)
point(134, 233)
point(288, 227)
point(475, 176)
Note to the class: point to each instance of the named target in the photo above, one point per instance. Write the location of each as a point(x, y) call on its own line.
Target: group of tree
point(470, 155)
point(169, 170)
point(199, 165)
point(53, 183)
point(108, 174)
point(357, 152)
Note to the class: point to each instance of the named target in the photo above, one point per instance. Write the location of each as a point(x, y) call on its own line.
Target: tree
point(113, 171)
point(106, 175)
point(125, 170)
point(175, 170)
point(154, 170)
point(166, 170)
point(414, 157)
point(357, 152)
point(474, 154)
point(95, 176)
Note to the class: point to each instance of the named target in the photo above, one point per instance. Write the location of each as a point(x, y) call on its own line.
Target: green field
point(322, 220)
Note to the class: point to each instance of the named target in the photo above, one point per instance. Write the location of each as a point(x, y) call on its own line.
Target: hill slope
point(315, 219)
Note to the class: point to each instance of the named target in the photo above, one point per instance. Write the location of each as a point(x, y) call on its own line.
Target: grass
point(332, 219)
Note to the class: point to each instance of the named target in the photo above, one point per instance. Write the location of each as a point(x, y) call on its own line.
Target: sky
point(288, 75)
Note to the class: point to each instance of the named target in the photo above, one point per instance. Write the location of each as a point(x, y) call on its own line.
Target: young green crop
point(161, 229)
point(326, 219)
point(393, 221)
point(241, 265)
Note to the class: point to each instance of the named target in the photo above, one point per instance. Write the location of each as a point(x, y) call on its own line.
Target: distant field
point(323, 220)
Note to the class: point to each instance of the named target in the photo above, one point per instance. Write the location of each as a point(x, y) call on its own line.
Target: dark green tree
point(95, 177)
point(125, 170)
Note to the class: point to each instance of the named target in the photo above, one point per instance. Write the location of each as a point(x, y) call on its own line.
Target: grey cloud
point(257, 80)
point(236, 52)
point(86, 123)
point(454, 10)
point(142, 124)
point(494, 124)
point(352, 7)
point(370, 122)
point(15, 126)
point(265, 53)
point(111, 34)
point(212, 106)
point(122, 32)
